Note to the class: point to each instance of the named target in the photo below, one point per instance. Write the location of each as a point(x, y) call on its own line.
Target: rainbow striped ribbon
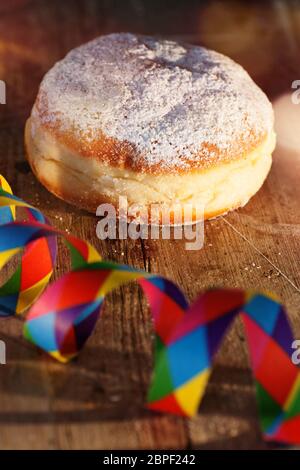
point(62, 318)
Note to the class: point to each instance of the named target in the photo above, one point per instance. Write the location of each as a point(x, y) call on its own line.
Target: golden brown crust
point(89, 200)
point(123, 155)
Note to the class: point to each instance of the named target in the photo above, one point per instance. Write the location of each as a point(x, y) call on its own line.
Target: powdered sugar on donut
point(174, 103)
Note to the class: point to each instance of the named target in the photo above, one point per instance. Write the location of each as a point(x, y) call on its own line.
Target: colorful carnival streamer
point(187, 337)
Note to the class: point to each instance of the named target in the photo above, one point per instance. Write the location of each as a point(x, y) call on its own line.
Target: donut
point(153, 120)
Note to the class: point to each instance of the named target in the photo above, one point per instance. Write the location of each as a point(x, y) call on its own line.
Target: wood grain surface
point(97, 401)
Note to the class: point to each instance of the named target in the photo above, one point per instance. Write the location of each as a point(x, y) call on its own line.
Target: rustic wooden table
point(97, 401)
